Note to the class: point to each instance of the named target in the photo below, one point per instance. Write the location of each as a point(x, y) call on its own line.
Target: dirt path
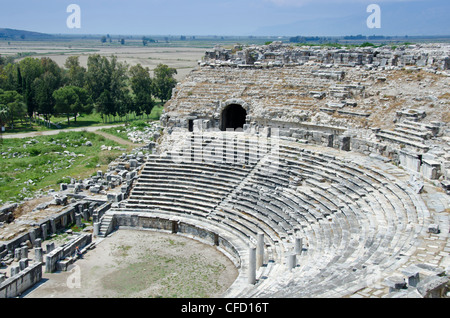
point(95, 129)
point(55, 132)
point(118, 139)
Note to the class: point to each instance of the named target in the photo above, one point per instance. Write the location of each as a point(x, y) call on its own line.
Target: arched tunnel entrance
point(233, 116)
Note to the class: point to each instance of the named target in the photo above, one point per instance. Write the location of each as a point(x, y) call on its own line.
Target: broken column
point(252, 265)
point(78, 220)
point(38, 254)
point(49, 247)
point(291, 261)
point(24, 252)
point(53, 225)
point(298, 246)
point(64, 221)
point(86, 214)
point(17, 254)
point(23, 263)
point(260, 250)
point(32, 235)
point(44, 231)
point(96, 228)
point(37, 242)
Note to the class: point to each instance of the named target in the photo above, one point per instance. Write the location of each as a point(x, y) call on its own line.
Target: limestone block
point(395, 283)
point(433, 228)
point(433, 286)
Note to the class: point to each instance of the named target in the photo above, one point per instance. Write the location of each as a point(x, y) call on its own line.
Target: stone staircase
point(409, 134)
point(106, 224)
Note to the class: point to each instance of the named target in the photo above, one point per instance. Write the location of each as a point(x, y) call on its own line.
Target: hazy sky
point(229, 17)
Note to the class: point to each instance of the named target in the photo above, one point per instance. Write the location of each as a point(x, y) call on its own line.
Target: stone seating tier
point(355, 219)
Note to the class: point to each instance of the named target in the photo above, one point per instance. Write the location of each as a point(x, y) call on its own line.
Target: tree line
point(40, 87)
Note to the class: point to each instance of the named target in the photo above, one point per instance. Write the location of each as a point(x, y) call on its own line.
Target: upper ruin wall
point(278, 54)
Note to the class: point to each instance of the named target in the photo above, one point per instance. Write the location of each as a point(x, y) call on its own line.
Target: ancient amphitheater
point(320, 172)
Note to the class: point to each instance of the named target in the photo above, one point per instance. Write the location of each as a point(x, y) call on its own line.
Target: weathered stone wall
point(20, 282)
point(277, 54)
point(66, 250)
point(51, 225)
point(350, 95)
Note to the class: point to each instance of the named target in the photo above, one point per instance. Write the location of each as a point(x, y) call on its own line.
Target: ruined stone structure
point(319, 172)
point(389, 102)
point(318, 190)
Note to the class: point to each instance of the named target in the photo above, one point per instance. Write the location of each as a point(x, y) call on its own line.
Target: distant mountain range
point(14, 34)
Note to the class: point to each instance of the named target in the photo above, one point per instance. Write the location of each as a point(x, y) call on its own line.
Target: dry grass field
point(183, 59)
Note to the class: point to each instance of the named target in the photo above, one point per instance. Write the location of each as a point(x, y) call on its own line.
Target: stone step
point(414, 127)
point(402, 135)
point(403, 141)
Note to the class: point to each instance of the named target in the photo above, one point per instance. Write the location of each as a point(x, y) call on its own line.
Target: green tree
point(106, 81)
point(126, 104)
point(98, 75)
point(12, 106)
point(72, 100)
point(118, 87)
point(3, 116)
point(103, 103)
point(141, 85)
point(30, 69)
point(75, 73)
point(164, 82)
point(45, 85)
point(3, 77)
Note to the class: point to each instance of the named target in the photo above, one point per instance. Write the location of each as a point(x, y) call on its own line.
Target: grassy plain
point(32, 165)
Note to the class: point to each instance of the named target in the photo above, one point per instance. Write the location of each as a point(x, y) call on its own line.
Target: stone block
point(44, 230)
point(395, 283)
point(412, 274)
point(433, 286)
point(433, 228)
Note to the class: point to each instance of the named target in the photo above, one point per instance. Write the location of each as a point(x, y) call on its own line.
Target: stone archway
point(233, 116)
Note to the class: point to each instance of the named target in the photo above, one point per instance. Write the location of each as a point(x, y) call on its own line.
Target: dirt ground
point(138, 264)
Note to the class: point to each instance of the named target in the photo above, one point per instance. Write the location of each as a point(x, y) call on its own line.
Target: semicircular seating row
point(357, 223)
